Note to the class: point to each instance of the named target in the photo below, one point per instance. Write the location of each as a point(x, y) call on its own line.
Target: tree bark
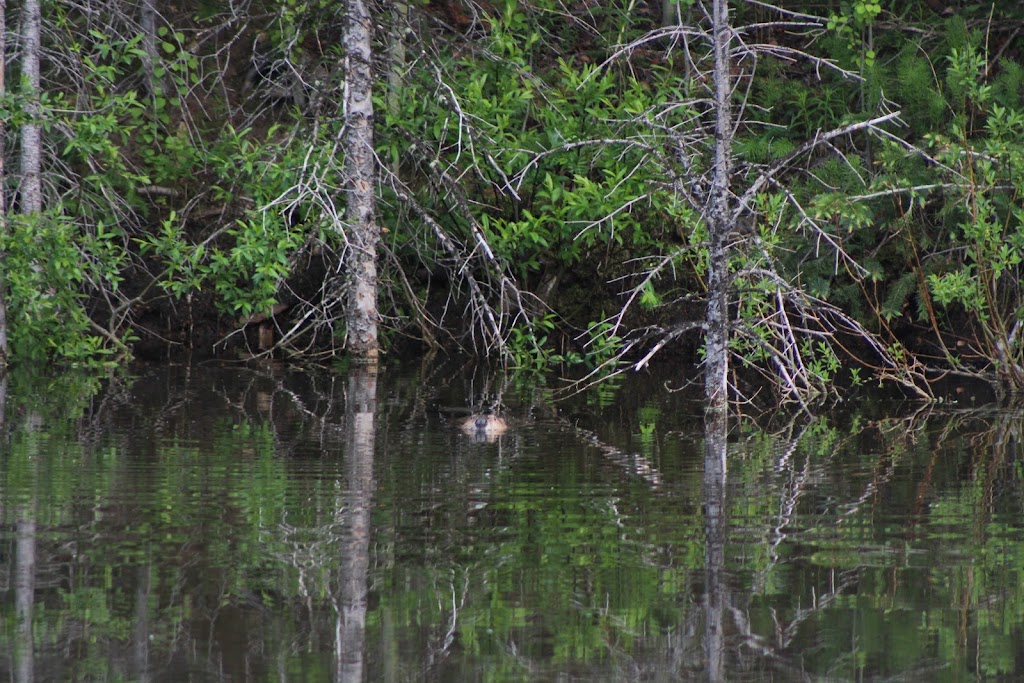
point(150, 56)
point(719, 218)
point(31, 133)
point(3, 200)
point(670, 12)
point(360, 165)
point(396, 54)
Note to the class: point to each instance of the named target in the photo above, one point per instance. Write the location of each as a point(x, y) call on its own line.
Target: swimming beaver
point(483, 425)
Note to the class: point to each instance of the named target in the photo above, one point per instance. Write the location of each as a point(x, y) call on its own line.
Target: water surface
point(266, 523)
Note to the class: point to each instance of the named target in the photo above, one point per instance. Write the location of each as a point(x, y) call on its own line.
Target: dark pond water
point(239, 523)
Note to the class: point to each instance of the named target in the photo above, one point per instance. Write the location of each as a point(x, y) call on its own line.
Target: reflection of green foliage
point(563, 549)
point(648, 417)
point(603, 395)
point(877, 548)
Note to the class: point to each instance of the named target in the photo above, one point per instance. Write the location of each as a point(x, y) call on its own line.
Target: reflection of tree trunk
point(715, 591)
point(140, 634)
point(1004, 444)
point(3, 411)
point(24, 591)
point(3, 421)
point(350, 630)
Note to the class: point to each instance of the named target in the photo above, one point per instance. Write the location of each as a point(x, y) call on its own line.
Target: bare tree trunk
point(719, 219)
point(670, 13)
point(360, 165)
point(150, 56)
point(3, 203)
point(396, 54)
point(31, 133)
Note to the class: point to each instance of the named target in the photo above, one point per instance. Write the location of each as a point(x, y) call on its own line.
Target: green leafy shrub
point(984, 162)
point(49, 266)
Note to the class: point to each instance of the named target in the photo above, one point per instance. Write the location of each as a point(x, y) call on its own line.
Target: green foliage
point(983, 156)
point(541, 143)
point(649, 297)
point(49, 265)
point(578, 197)
point(918, 90)
point(851, 26)
point(965, 79)
point(60, 265)
point(566, 162)
point(900, 291)
point(761, 149)
point(246, 273)
point(958, 35)
point(528, 347)
point(1008, 87)
point(602, 345)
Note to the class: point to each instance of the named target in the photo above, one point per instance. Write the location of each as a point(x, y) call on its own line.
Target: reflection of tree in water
point(849, 518)
point(333, 558)
point(24, 590)
point(253, 491)
point(210, 588)
point(21, 509)
point(350, 601)
point(716, 591)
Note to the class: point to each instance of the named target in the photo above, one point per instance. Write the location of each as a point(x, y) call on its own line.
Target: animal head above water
point(483, 425)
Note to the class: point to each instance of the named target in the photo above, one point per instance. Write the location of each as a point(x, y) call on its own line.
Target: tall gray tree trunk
point(396, 54)
point(150, 56)
point(3, 199)
point(360, 169)
point(716, 371)
point(670, 12)
point(31, 133)
point(719, 219)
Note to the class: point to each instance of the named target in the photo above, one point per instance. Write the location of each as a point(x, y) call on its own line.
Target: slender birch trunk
point(150, 56)
point(31, 134)
point(3, 199)
point(396, 54)
point(719, 218)
point(670, 13)
point(360, 167)
point(716, 372)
